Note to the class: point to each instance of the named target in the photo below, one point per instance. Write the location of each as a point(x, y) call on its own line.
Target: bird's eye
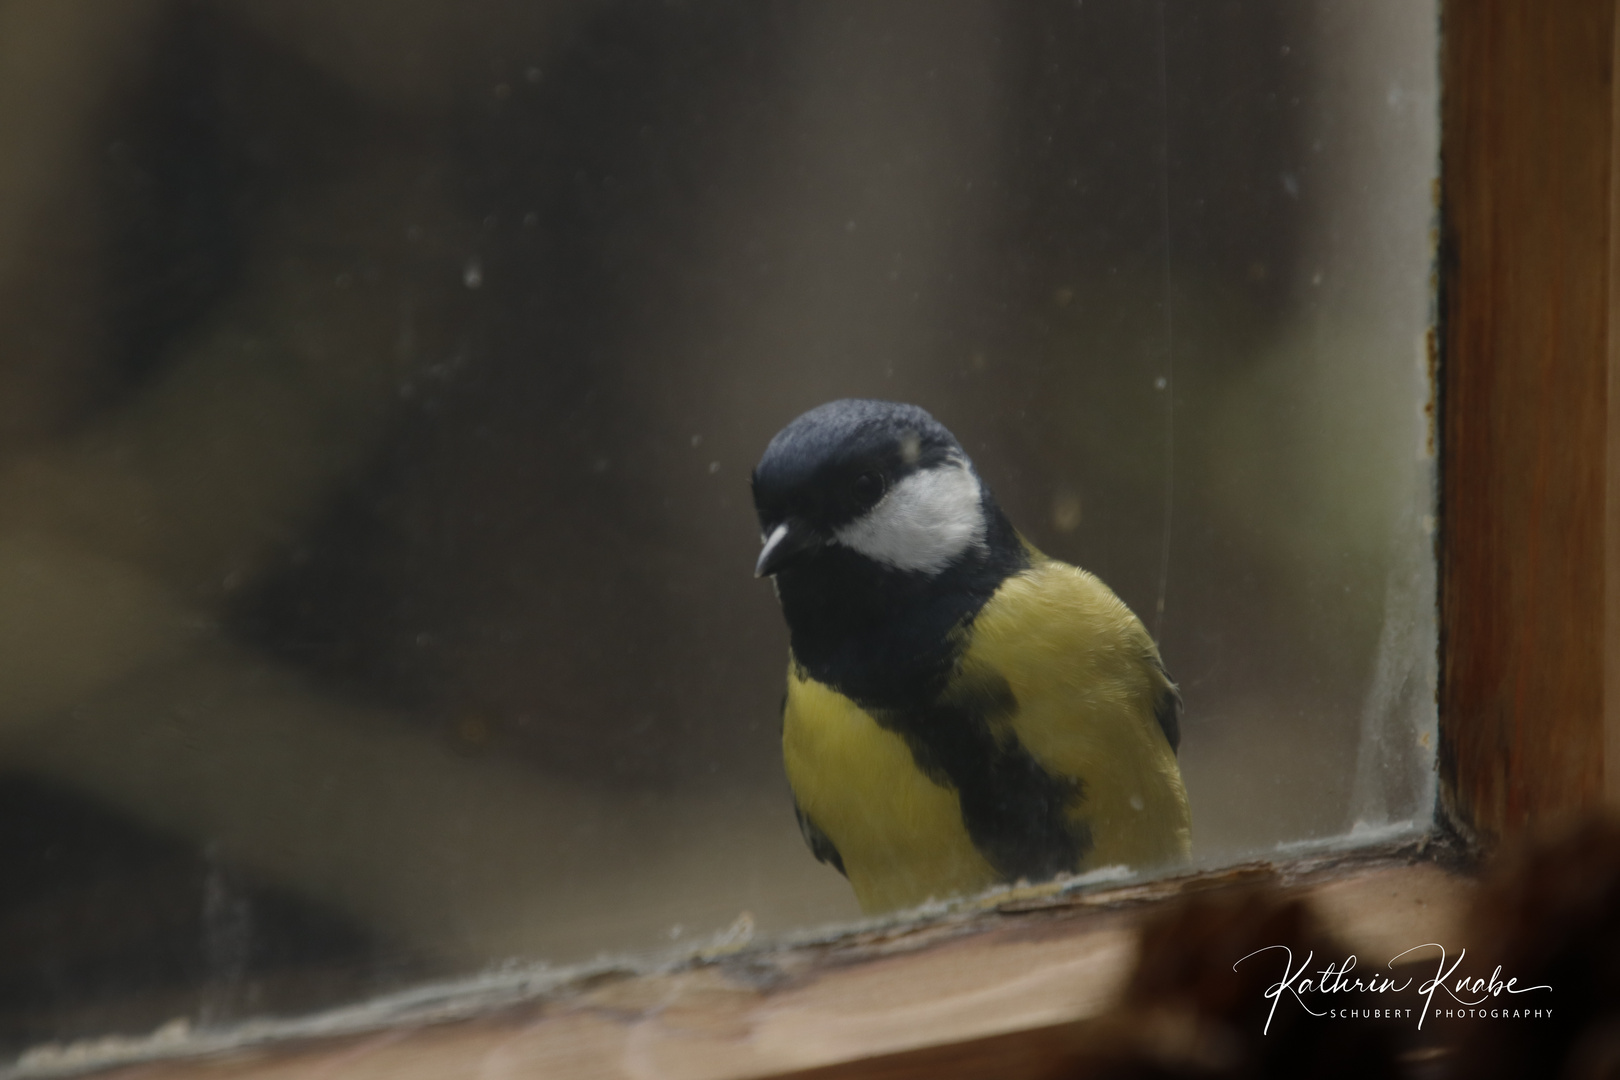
point(868, 486)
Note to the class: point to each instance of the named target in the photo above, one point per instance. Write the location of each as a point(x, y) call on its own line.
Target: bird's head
point(884, 480)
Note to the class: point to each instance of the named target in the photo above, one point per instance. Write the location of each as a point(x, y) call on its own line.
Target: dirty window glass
point(380, 385)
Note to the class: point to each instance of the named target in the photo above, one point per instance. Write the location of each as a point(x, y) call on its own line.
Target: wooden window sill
point(991, 985)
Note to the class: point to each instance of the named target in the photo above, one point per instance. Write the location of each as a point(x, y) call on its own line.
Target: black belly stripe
point(1014, 810)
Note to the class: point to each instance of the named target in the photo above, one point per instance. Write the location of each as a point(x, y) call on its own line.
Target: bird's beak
point(787, 542)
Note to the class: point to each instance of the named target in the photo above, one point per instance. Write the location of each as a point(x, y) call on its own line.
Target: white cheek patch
point(924, 523)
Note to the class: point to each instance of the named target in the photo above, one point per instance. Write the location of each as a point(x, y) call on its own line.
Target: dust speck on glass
point(380, 383)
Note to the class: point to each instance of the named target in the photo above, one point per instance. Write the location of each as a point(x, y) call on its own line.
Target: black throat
point(885, 637)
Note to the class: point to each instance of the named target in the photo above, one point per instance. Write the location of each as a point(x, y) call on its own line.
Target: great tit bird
point(961, 710)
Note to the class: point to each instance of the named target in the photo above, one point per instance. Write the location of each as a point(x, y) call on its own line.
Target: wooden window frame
point(1529, 425)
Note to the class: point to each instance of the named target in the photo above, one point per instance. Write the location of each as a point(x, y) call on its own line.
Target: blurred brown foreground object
point(1192, 1009)
point(1549, 912)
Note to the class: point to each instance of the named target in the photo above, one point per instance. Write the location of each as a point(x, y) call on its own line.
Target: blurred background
point(380, 382)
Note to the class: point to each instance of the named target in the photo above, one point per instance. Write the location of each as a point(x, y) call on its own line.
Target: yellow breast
point(900, 834)
point(1085, 678)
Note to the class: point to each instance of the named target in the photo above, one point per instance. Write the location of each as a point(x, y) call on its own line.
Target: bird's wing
point(1167, 711)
